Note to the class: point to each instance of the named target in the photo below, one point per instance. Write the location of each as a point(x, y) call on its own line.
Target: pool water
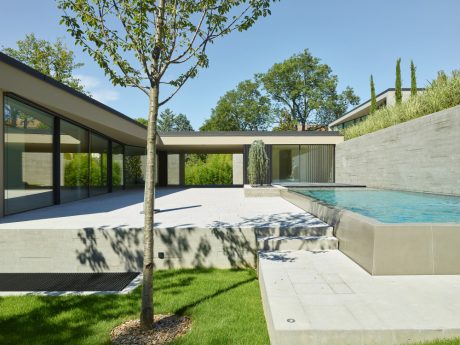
point(390, 206)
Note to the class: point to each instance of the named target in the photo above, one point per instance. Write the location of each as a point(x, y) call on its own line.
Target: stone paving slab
point(326, 298)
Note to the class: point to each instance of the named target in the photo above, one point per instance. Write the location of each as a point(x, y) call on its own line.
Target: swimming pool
point(390, 206)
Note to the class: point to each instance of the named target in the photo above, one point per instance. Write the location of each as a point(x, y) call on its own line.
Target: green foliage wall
point(209, 169)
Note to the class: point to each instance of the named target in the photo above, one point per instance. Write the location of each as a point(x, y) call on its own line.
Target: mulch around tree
point(165, 329)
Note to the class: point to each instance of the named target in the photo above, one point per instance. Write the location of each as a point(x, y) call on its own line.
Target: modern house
point(361, 112)
point(59, 145)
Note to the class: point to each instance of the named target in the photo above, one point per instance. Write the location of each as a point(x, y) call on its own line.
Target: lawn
point(224, 305)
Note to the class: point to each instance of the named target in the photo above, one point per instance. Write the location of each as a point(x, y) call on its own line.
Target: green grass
point(443, 93)
point(442, 342)
point(224, 306)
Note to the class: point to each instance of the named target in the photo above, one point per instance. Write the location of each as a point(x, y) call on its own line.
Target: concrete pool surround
point(388, 249)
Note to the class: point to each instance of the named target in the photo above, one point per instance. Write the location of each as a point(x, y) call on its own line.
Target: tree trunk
point(146, 317)
point(303, 126)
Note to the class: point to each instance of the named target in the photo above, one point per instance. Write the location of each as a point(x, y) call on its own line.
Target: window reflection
point(28, 157)
point(74, 162)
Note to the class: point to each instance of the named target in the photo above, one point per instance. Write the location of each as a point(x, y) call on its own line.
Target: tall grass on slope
point(442, 93)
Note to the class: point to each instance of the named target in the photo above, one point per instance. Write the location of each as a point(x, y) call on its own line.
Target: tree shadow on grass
point(88, 319)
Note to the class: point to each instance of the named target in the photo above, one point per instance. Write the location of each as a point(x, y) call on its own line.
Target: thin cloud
point(97, 89)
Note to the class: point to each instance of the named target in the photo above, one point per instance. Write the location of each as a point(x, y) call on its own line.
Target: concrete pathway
point(325, 298)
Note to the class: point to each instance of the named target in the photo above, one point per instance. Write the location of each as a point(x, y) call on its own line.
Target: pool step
point(309, 243)
point(305, 231)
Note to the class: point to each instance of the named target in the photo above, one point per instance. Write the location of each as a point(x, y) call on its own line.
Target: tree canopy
point(245, 108)
point(52, 59)
point(307, 89)
point(170, 122)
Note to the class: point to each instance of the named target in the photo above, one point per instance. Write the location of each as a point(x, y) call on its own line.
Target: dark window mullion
point(57, 160)
point(109, 168)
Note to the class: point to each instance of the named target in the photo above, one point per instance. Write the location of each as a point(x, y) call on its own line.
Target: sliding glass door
point(28, 157)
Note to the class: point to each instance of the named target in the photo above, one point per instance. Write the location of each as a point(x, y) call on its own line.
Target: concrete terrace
point(180, 208)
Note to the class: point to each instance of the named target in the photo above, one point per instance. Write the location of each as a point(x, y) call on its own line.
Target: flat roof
point(233, 142)
point(367, 103)
point(49, 80)
point(250, 134)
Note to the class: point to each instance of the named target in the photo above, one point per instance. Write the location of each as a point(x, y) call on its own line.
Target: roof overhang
point(233, 142)
point(22, 81)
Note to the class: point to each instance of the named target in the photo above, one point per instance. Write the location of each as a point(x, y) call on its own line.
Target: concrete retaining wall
point(121, 250)
point(421, 155)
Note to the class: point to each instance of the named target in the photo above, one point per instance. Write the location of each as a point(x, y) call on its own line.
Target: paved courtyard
point(325, 298)
point(180, 207)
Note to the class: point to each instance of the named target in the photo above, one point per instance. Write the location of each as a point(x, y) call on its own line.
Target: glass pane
point(317, 163)
point(285, 163)
point(117, 166)
point(135, 162)
point(28, 157)
point(74, 162)
point(98, 164)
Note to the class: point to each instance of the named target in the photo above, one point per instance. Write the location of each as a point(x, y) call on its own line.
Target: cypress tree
point(398, 90)
point(373, 98)
point(413, 79)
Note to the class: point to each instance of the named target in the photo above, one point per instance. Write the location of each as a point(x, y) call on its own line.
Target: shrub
point(442, 93)
point(258, 163)
point(209, 169)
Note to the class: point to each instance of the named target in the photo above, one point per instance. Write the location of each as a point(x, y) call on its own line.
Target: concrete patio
point(209, 227)
point(180, 208)
point(327, 299)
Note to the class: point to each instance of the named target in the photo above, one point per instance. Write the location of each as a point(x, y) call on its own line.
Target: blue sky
point(355, 37)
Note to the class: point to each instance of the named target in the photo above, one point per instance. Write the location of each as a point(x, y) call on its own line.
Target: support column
point(162, 168)
point(182, 169)
point(2, 150)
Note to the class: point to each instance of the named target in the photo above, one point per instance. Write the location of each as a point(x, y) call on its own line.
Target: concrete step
point(318, 230)
point(309, 243)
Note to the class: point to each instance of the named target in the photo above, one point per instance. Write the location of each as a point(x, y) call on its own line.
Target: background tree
point(257, 163)
point(52, 59)
point(307, 88)
point(142, 120)
point(137, 44)
point(373, 98)
point(285, 121)
point(170, 122)
point(413, 79)
point(398, 82)
point(244, 108)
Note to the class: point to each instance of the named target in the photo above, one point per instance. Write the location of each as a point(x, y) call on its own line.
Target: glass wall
point(135, 163)
point(37, 176)
point(302, 163)
point(74, 144)
point(117, 166)
point(98, 178)
point(28, 157)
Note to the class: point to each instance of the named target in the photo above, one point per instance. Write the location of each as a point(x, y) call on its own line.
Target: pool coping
point(388, 248)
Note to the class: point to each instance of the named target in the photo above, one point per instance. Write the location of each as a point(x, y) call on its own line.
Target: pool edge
point(388, 249)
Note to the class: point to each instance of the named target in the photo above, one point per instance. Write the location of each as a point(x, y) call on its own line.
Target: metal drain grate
point(65, 281)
